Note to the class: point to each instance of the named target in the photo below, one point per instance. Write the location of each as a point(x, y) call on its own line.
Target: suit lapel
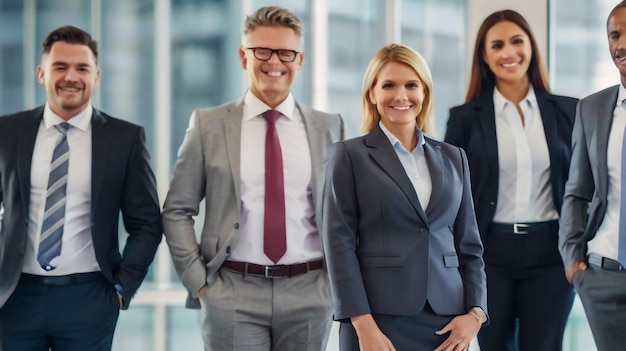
point(232, 129)
point(487, 121)
point(435, 168)
point(100, 146)
point(548, 113)
point(26, 145)
point(385, 156)
point(314, 133)
point(604, 109)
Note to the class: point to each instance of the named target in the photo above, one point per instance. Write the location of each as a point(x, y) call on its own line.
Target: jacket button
point(236, 225)
point(227, 249)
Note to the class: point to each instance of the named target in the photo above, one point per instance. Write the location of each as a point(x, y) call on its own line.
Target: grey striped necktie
point(54, 214)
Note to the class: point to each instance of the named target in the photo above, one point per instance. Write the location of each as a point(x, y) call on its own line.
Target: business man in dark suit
point(593, 221)
point(402, 245)
point(258, 269)
point(66, 172)
point(517, 139)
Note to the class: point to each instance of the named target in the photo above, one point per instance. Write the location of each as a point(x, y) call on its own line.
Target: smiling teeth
point(274, 74)
point(509, 65)
point(401, 108)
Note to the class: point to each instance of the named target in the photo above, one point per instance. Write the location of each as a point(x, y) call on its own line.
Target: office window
point(580, 62)
point(437, 30)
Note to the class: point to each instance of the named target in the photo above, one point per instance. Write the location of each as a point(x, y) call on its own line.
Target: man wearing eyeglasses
point(258, 164)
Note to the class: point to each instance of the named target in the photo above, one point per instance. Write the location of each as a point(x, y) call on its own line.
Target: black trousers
point(528, 297)
point(602, 293)
point(71, 313)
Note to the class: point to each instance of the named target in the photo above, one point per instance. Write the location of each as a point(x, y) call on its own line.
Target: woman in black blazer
point(517, 139)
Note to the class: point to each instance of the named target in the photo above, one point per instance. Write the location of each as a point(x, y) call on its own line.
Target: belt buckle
point(268, 271)
point(519, 228)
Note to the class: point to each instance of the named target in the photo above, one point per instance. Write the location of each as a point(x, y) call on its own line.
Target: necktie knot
point(271, 116)
point(63, 127)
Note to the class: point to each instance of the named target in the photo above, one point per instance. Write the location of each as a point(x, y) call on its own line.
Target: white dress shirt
point(77, 252)
point(415, 165)
point(605, 242)
point(303, 239)
point(524, 189)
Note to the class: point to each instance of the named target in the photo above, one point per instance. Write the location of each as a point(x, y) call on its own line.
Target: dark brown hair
point(482, 78)
point(70, 35)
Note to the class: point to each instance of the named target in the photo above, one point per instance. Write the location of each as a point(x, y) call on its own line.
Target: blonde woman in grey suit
point(402, 244)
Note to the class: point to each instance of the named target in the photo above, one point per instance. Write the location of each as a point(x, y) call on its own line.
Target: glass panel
point(580, 63)
point(437, 30)
point(12, 57)
point(183, 329)
point(135, 329)
point(355, 33)
point(127, 62)
point(205, 64)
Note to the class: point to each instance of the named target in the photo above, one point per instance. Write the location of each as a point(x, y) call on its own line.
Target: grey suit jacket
point(585, 200)
point(208, 168)
point(385, 253)
point(121, 181)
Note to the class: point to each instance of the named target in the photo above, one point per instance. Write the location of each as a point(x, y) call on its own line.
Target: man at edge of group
point(67, 170)
point(593, 219)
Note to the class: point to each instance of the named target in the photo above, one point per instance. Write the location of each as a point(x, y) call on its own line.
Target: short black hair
point(70, 35)
point(622, 4)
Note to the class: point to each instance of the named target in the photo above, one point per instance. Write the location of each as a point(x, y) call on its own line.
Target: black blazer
point(385, 253)
point(122, 180)
point(472, 126)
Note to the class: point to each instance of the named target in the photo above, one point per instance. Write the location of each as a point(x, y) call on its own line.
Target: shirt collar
point(500, 102)
point(621, 95)
point(81, 121)
point(255, 107)
point(395, 142)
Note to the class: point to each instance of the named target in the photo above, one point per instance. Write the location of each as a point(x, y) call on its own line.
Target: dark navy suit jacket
point(472, 126)
point(385, 253)
point(122, 180)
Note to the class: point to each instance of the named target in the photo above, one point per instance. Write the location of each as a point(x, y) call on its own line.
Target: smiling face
point(508, 52)
point(271, 80)
point(68, 73)
point(616, 29)
point(398, 95)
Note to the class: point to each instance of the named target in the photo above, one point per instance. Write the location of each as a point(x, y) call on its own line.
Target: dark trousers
point(406, 333)
point(529, 299)
point(77, 314)
point(602, 295)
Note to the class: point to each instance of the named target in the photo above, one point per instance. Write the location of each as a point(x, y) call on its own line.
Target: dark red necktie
point(274, 228)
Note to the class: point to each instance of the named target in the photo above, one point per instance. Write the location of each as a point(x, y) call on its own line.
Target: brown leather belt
point(281, 270)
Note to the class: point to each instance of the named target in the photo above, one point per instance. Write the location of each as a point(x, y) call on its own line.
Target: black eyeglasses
point(284, 55)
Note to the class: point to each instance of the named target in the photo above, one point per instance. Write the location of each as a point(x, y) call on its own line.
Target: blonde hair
point(425, 120)
point(273, 16)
